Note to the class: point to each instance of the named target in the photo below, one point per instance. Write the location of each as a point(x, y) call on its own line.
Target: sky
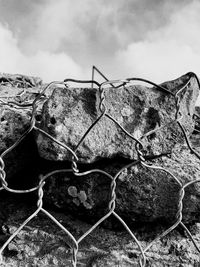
point(57, 39)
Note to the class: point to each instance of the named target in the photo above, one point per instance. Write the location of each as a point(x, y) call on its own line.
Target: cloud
point(9, 53)
point(90, 31)
point(169, 51)
point(166, 53)
point(157, 40)
point(48, 65)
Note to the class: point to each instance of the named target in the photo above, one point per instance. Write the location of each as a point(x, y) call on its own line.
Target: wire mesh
point(141, 160)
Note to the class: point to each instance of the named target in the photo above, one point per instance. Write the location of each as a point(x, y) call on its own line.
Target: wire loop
point(142, 158)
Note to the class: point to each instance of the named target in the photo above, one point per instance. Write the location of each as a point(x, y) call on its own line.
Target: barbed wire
point(143, 159)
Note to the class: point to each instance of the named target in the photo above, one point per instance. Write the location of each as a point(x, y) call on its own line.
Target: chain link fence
point(141, 160)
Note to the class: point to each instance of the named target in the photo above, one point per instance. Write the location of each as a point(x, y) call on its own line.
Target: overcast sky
point(56, 39)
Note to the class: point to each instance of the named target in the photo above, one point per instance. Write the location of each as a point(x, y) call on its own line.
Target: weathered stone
point(43, 243)
point(197, 121)
point(15, 120)
point(195, 137)
point(197, 110)
point(18, 80)
point(142, 194)
point(69, 113)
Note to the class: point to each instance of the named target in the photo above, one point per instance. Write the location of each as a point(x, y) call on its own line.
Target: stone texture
point(42, 243)
point(18, 80)
point(15, 121)
point(69, 112)
point(195, 137)
point(197, 110)
point(197, 120)
point(142, 194)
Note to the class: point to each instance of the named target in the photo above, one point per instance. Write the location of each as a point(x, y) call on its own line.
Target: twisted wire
point(142, 159)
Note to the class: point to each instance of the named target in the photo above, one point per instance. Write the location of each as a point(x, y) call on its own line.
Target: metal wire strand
point(143, 160)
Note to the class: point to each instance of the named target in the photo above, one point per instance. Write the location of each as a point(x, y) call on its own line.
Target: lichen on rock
point(69, 112)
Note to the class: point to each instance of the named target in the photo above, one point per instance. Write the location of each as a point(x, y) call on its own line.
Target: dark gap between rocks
point(28, 176)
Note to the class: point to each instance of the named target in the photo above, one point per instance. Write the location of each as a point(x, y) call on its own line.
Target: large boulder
point(142, 193)
point(69, 112)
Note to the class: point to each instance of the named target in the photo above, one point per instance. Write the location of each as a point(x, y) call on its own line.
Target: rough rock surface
point(42, 243)
point(142, 194)
point(18, 80)
point(197, 121)
point(195, 138)
point(69, 112)
point(197, 110)
point(15, 120)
